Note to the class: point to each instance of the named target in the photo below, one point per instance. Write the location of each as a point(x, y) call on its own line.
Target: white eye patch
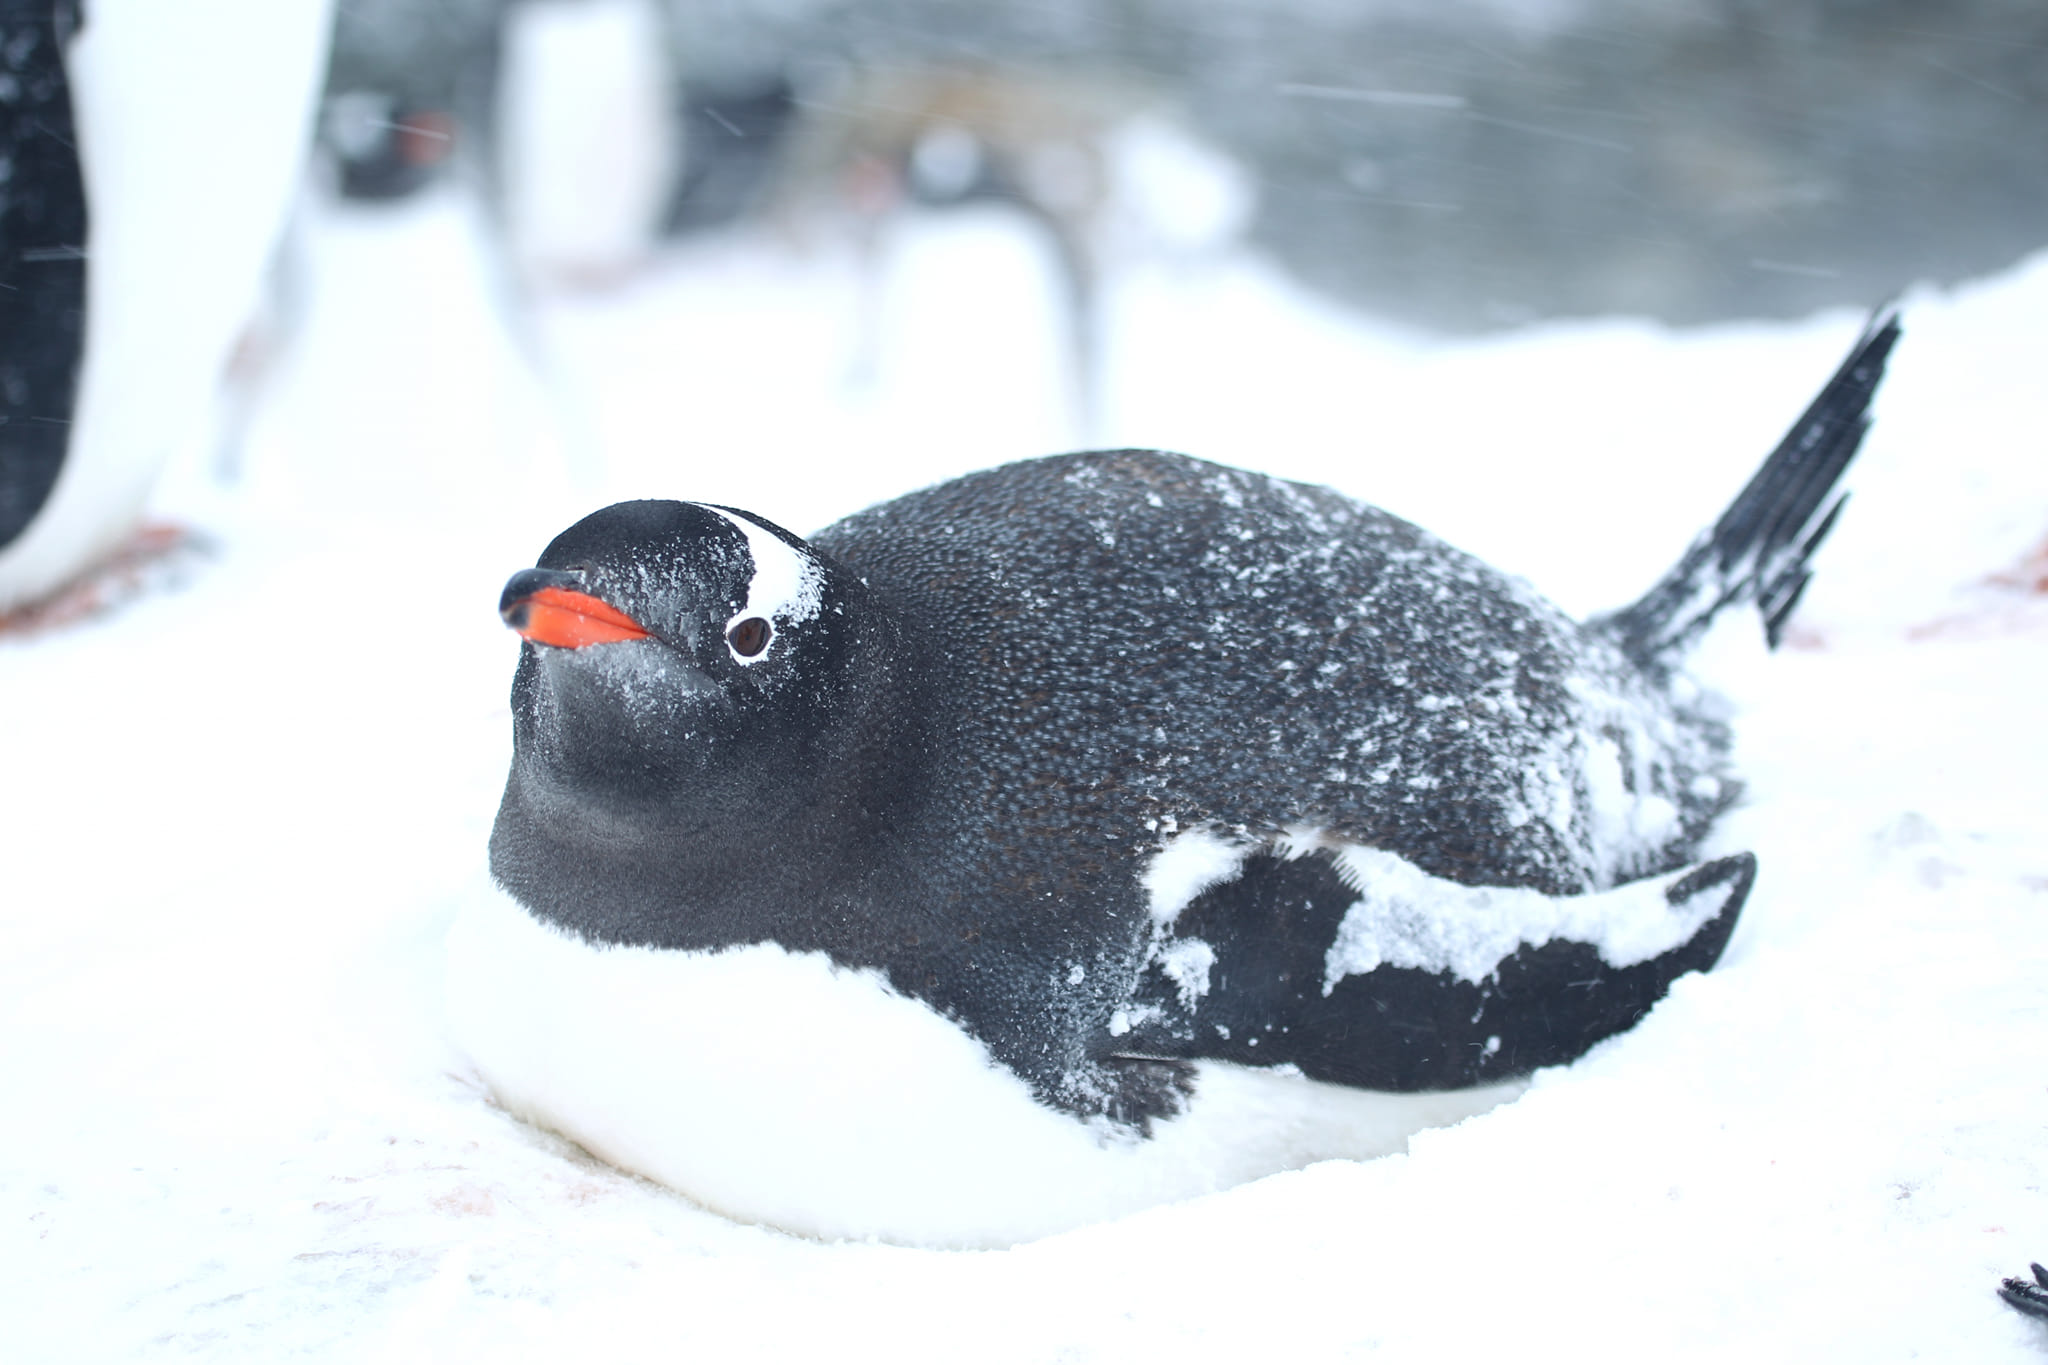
point(787, 588)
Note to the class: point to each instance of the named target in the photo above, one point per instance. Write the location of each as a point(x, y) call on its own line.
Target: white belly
point(779, 1088)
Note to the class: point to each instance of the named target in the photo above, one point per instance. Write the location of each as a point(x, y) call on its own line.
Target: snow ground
point(236, 817)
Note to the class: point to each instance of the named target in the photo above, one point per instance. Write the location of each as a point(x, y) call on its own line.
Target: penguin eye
point(749, 637)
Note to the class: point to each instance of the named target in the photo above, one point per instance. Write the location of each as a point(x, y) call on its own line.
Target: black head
point(687, 691)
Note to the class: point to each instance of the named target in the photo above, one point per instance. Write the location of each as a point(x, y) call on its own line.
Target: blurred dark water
point(1460, 167)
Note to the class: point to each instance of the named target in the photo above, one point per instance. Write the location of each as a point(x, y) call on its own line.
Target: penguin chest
point(782, 1088)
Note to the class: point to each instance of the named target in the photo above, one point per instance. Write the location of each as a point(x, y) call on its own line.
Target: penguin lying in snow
point(1088, 832)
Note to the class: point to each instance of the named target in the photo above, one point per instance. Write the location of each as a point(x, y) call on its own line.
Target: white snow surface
point(238, 818)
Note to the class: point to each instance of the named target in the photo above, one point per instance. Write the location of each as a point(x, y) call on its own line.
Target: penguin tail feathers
point(1758, 551)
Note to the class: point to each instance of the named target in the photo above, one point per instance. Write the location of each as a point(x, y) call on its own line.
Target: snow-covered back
point(238, 819)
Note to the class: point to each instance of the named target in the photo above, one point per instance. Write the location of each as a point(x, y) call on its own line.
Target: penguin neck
point(702, 883)
point(766, 853)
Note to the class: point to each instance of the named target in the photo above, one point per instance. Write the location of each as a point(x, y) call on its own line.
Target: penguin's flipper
point(2031, 1299)
point(1364, 970)
point(1757, 552)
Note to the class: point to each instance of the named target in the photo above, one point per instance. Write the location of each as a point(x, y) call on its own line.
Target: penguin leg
point(2031, 1299)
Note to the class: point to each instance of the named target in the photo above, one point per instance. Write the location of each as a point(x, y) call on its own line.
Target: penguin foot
point(155, 555)
point(2031, 1299)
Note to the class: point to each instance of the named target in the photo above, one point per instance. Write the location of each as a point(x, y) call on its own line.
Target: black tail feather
point(1757, 551)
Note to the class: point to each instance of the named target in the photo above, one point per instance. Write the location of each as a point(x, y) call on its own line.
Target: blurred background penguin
point(153, 154)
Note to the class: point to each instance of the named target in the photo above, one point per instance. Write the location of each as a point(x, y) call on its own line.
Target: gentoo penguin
point(1088, 832)
point(148, 155)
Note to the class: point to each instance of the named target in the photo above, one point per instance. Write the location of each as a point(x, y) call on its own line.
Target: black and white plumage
point(149, 154)
point(1219, 823)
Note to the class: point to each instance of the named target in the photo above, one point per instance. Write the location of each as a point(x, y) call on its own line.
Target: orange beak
point(568, 619)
